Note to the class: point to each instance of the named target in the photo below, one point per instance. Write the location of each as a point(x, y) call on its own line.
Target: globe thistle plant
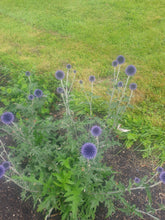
point(114, 63)
point(38, 93)
point(2, 171)
point(6, 165)
point(31, 97)
point(120, 59)
point(130, 70)
point(160, 169)
point(89, 151)
point(59, 74)
point(133, 86)
point(162, 176)
point(60, 90)
point(96, 131)
point(74, 71)
point(27, 73)
point(137, 180)
point(120, 84)
point(7, 117)
point(92, 78)
point(68, 66)
point(81, 82)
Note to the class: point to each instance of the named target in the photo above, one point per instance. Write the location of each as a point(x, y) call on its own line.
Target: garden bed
point(128, 163)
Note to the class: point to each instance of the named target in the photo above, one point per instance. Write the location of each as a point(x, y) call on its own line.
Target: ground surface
point(127, 162)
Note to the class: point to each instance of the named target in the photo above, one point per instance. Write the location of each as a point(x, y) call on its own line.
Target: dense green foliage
point(48, 161)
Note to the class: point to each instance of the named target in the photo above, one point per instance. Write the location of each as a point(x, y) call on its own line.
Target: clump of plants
point(59, 161)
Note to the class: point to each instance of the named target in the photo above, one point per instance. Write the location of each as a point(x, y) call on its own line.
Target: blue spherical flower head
point(92, 78)
point(2, 171)
point(60, 90)
point(130, 70)
point(114, 63)
point(137, 180)
point(30, 97)
point(160, 169)
point(89, 151)
point(162, 176)
point(96, 131)
point(38, 93)
point(7, 117)
point(133, 86)
point(120, 84)
point(74, 71)
point(59, 74)
point(120, 59)
point(6, 165)
point(27, 73)
point(68, 66)
point(81, 82)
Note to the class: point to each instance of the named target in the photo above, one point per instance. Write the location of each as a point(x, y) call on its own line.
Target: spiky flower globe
point(89, 151)
point(27, 73)
point(2, 171)
point(7, 118)
point(96, 131)
point(59, 74)
point(133, 86)
point(162, 176)
point(120, 59)
point(6, 165)
point(92, 78)
point(74, 71)
point(30, 97)
point(120, 84)
point(137, 180)
point(81, 82)
point(160, 169)
point(60, 90)
point(38, 93)
point(114, 63)
point(68, 66)
point(130, 70)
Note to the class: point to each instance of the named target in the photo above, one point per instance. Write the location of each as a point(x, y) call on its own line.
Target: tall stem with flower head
point(119, 61)
point(96, 132)
point(60, 76)
point(65, 99)
point(122, 96)
point(130, 71)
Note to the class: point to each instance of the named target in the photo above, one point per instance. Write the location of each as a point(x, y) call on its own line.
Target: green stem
point(72, 84)
point(147, 213)
point(22, 187)
point(97, 140)
point(123, 93)
point(66, 98)
point(91, 98)
point(113, 90)
point(131, 189)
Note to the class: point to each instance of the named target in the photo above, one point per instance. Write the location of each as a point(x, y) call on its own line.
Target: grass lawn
point(44, 36)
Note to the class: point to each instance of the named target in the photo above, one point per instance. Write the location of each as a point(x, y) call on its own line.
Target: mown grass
point(44, 36)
